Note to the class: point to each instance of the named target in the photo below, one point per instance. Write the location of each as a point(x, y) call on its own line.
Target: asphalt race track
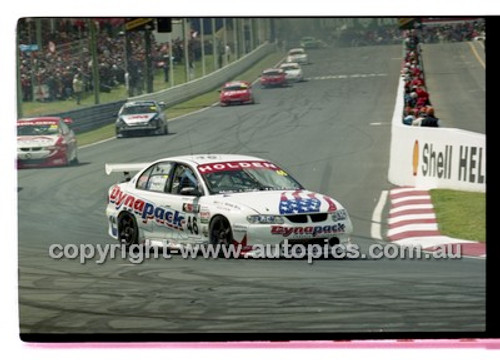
point(332, 133)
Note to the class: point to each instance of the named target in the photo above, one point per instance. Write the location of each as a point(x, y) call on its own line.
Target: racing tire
point(75, 160)
point(221, 235)
point(67, 161)
point(128, 232)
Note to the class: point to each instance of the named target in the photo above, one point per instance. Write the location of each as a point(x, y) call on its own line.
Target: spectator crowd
point(418, 110)
point(431, 31)
point(49, 73)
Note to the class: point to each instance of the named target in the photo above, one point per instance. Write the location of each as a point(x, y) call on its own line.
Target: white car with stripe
point(220, 200)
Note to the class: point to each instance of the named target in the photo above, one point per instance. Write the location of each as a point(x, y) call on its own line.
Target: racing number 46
point(192, 225)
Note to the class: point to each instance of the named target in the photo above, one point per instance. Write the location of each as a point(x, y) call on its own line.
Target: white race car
point(144, 116)
point(221, 200)
point(297, 55)
point(293, 72)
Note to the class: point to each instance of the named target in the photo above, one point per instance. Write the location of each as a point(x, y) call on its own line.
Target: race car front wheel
point(221, 235)
point(127, 229)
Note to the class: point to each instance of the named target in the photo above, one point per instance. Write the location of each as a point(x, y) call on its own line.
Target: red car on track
point(273, 77)
point(236, 92)
point(45, 141)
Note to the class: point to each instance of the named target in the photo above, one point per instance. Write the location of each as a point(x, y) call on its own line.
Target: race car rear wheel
point(128, 233)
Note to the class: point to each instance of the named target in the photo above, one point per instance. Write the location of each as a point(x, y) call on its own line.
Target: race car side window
point(155, 178)
point(183, 177)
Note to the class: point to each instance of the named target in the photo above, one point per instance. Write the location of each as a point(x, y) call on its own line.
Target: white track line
point(375, 231)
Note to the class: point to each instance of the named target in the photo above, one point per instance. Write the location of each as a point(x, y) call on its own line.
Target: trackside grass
point(460, 214)
point(194, 104)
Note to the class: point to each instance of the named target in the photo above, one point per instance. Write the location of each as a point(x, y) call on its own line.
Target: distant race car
point(310, 42)
point(297, 55)
point(272, 78)
point(293, 72)
point(141, 117)
point(220, 200)
point(236, 92)
point(46, 141)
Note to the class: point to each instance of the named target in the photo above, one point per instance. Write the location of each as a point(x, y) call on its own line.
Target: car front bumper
point(40, 158)
point(143, 127)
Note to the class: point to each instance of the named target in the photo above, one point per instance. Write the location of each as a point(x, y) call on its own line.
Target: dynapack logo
point(147, 210)
point(307, 231)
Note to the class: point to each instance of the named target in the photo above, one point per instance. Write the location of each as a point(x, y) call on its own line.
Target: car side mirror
point(190, 191)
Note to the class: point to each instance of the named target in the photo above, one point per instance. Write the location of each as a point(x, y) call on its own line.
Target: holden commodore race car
point(144, 116)
point(272, 78)
point(220, 200)
point(293, 72)
point(297, 55)
point(236, 92)
point(46, 141)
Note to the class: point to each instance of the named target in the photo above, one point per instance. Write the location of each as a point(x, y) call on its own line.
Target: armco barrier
point(93, 117)
point(435, 157)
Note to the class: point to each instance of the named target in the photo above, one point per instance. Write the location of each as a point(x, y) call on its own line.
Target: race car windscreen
point(226, 179)
point(290, 67)
point(138, 109)
point(36, 129)
point(272, 73)
point(235, 87)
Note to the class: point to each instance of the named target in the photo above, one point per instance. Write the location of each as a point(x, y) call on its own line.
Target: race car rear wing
point(125, 168)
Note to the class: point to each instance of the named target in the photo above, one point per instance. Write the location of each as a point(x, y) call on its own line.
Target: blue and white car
point(220, 200)
point(141, 117)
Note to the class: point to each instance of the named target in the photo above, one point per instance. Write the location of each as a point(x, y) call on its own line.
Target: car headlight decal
point(339, 215)
point(265, 219)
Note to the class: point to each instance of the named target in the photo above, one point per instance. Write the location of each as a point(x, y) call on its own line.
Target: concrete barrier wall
point(435, 157)
point(93, 117)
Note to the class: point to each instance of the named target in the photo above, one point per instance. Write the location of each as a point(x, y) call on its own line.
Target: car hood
point(36, 141)
point(137, 118)
point(278, 202)
point(272, 77)
point(296, 72)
